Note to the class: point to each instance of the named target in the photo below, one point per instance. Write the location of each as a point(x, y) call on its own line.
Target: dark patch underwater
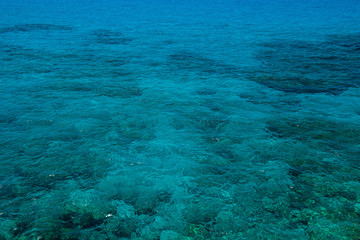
point(328, 66)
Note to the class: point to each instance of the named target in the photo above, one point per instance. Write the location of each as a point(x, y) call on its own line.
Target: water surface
point(179, 119)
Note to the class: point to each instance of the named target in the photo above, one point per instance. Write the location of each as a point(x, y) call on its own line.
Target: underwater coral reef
point(166, 124)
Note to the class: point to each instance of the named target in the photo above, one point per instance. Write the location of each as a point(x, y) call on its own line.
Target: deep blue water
point(179, 120)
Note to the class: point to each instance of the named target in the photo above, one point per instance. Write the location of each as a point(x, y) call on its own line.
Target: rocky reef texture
point(328, 66)
point(156, 132)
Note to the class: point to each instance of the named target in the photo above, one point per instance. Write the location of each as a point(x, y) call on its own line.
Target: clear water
point(179, 120)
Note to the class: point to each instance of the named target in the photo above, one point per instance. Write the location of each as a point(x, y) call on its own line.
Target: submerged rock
point(330, 66)
point(34, 27)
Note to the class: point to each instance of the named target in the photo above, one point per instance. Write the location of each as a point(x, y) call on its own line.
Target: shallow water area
point(179, 120)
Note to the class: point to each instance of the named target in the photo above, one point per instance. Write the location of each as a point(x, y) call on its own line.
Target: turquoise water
point(179, 120)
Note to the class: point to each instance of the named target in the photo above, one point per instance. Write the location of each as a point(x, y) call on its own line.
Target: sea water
point(167, 119)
